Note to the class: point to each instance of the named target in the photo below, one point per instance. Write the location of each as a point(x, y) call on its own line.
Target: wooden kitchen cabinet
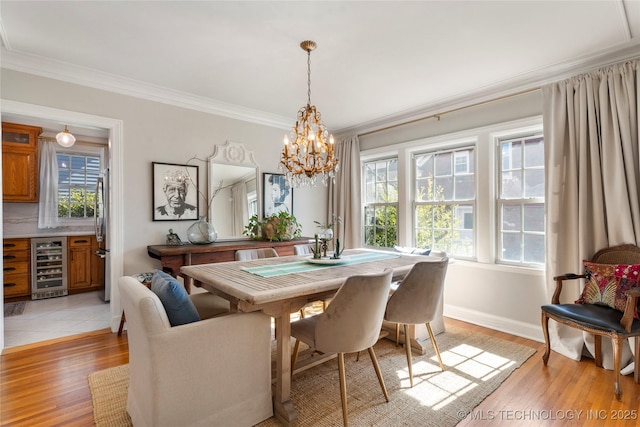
point(86, 271)
point(20, 162)
point(16, 263)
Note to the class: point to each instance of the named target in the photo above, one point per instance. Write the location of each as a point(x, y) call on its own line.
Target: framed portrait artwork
point(175, 192)
point(277, 194)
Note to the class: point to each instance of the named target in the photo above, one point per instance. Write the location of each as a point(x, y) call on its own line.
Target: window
point(381, 203)
point(77, 179)
point(444, 199)
point(521, 200)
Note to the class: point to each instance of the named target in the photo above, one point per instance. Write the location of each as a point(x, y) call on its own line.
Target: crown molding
point(526, 82)
point(58, 70)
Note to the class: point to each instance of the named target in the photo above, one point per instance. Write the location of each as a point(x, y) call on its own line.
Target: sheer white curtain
point(593, 179)
point(48, 194)
point(344, 196)
point(240, 207)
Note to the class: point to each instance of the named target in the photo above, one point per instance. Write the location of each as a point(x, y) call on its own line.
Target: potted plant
point(277, 227)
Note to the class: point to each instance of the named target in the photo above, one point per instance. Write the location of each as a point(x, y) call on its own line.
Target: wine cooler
point(48, 267)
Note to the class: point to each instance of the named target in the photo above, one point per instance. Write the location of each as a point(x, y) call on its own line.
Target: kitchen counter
point(8, 235)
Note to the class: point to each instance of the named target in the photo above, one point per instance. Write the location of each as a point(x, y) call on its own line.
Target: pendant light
point(65, 138)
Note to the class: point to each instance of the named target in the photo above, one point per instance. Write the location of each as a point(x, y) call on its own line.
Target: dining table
point(280, 286)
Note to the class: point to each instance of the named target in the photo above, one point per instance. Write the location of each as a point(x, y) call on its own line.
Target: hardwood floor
point(47, 386)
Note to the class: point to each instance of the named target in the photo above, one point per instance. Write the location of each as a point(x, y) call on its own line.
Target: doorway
point(113, 128)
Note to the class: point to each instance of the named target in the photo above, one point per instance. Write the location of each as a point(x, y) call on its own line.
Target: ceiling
point(377, 62)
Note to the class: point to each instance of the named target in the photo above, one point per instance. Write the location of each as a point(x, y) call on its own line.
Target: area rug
point(14, 308)
point(475, 365)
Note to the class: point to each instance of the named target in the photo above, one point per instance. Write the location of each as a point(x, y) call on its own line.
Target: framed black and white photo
point(277, 194)
point(175, 192)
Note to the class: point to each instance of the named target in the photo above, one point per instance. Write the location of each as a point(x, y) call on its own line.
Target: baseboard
point(502, 324)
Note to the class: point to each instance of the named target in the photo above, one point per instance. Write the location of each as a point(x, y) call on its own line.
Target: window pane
point(424, 166)
point(511, 155)
point(512, 185)
point(534, 248)
point(424, 217)
point(511, 247)
point(443, 164)
point(511, 217)
point(465, 187)
point(534, 217)
point(63, 161)
point(534, 152)
point(370, 192)
point(423, 193)
point(77, 162)
point(93, 164)
point(534, 183)
point(392, 170)
point(444, 188)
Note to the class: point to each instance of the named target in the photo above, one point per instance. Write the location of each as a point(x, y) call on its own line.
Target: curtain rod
point(437, 116)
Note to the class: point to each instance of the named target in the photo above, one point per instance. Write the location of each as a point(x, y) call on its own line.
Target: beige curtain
point(240, 207)
point(592, 179)
point(344, 195)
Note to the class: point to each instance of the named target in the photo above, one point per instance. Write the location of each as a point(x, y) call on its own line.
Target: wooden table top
point(229, 278)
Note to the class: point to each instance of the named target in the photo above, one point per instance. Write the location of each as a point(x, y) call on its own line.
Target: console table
point(173, 257)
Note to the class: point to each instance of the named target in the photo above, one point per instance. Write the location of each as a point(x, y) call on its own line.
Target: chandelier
point(308, 154)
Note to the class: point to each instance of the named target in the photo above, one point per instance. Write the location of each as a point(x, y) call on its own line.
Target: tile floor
point(55, 318)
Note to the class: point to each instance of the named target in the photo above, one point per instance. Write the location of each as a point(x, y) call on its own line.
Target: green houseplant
point(277, 227)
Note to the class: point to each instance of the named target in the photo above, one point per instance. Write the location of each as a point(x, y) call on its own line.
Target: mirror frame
point(232, 154)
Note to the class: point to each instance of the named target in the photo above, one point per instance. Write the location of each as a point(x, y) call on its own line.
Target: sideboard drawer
point(16, 285)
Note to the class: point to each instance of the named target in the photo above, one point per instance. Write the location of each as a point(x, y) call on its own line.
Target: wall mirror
point(234, 189)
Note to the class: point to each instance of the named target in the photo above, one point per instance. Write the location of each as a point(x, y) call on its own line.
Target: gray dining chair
point(249, 254)
point(416, 300)
point(351, 323)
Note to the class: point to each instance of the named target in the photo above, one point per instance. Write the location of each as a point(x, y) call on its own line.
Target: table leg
point(282, 405)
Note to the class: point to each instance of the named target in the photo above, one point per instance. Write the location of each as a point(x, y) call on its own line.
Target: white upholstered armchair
point(215, 371)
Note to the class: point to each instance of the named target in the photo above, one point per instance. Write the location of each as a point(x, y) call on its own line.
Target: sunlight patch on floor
point(466, 367)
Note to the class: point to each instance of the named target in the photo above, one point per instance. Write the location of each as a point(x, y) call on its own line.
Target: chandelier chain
point(308, 77)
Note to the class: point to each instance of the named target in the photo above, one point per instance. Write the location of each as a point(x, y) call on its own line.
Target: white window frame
point(81, 149)
point(374, 205)
point(520, 201)
point(456, 148)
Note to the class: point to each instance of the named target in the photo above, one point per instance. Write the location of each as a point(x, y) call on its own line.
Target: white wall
point(162, 133)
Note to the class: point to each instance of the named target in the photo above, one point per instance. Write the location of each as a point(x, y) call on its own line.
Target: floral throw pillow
point(607, 284)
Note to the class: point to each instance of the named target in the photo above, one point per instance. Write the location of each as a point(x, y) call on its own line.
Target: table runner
point(304, 266)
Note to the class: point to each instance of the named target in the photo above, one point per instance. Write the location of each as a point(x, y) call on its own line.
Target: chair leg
point(294, 356)
point(407, 347)
point(547, 341)
point(636, 371)
point(343, 388)
point(617, 353)
point(397, 334)
point(374, 360)
point(121, 327)
point(435, 345)
point(597, 340)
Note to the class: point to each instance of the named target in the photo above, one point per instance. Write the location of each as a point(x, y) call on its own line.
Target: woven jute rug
point(475, 365)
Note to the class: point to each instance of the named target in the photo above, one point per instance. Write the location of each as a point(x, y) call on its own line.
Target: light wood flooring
point(46, 385)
